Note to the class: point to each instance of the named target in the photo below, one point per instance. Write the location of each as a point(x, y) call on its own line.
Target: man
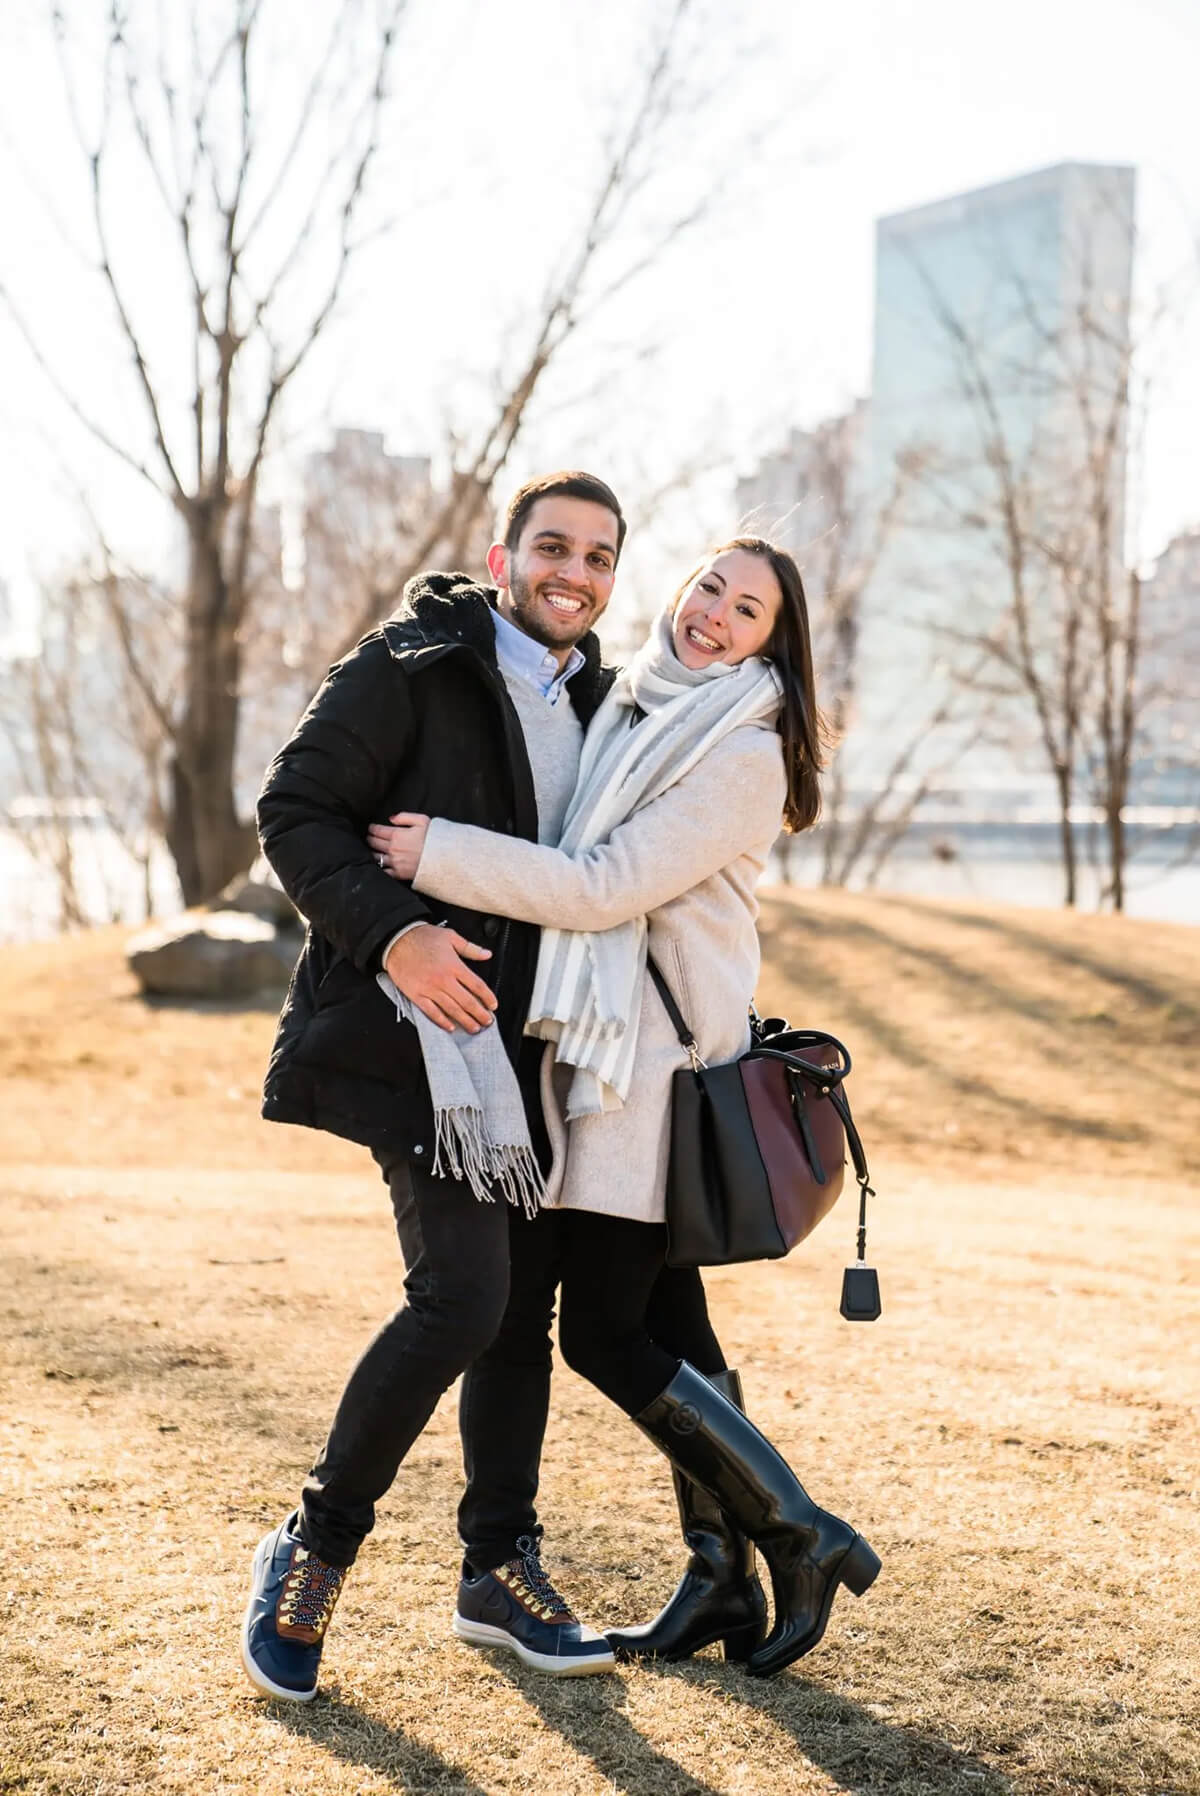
point(469, 703)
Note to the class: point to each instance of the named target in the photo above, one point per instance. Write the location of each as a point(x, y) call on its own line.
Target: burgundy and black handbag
point(758, 1150)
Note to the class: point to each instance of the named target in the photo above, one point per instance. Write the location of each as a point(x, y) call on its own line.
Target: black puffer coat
point(416, 718)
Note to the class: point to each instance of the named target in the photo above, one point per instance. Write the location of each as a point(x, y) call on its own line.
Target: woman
point(707, 739)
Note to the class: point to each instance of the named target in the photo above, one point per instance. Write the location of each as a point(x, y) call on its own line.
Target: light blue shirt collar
point(529, 660)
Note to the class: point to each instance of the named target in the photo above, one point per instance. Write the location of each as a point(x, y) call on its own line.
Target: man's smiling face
point(557, 581)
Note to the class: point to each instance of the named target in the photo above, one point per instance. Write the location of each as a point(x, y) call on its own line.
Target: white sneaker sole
point(262, 1683)
point(479, 1633)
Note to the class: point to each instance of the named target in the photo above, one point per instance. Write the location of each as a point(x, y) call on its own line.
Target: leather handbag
point(758, 1146)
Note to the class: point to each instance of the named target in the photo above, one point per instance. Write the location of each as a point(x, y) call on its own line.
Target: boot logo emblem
point(686, 1419)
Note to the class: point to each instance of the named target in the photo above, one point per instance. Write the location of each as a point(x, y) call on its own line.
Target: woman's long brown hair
point(790, 651)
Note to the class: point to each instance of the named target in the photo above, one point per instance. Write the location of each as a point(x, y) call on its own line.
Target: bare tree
point(264, 260)
point(863, 840)
point(602, 260)
point(88, 746)
point(38, 724)
point(1106, 392)
point(1058, 628)
point(838, 572)
point(244, 249)
point(1032, 646)
point(816, 498)
point(1168, 600)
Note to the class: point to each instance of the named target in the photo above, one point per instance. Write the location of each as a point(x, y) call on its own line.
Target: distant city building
point(366, 515)
point(1169, 676)
point(1001, 339)
point(332, 571)
point(359, 503)
point(812, 496)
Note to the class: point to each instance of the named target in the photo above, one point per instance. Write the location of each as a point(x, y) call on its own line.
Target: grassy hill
point(989, 1039)
point(183, 1288)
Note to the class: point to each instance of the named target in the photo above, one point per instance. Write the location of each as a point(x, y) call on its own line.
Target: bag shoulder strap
point(678, 1020)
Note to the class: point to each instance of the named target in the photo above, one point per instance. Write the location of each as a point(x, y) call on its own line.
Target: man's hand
point(428, 965)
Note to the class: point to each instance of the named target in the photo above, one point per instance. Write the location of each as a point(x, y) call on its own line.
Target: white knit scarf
point(588, 986)
point(480, 1132)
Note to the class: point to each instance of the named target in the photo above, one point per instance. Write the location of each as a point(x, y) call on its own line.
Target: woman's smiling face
point(728, 611)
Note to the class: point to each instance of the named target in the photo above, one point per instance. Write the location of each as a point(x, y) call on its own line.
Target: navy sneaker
point(518, 1607)
point(292, 1596)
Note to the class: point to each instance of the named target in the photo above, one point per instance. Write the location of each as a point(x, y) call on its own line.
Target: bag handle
point(824, 1077)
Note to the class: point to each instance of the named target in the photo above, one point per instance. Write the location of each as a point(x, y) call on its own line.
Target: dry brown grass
point(184, 1288)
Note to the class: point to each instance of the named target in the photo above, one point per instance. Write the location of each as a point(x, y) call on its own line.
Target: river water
point(1012, 866)
point(1019, 865)
point(110, 881)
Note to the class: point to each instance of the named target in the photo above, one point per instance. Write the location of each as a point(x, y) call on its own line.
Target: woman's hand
point(398, 845)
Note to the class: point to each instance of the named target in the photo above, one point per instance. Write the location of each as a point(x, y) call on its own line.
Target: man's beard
point(525, 614)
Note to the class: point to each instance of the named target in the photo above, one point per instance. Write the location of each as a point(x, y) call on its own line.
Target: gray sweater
point(690, 861)
point(553, 740)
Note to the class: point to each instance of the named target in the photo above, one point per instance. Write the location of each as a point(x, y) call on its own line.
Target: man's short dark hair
point(568, 485)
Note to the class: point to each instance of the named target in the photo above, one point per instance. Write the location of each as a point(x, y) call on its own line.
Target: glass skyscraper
point(998, 420)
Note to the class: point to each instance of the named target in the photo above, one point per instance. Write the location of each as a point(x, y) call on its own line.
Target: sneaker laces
point(312, 1590)
point(538, 1580)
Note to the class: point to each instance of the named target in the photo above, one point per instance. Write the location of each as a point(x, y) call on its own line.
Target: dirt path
point(183, 1289)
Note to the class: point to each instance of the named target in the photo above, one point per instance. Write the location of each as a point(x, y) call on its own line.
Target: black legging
point(627, 1321)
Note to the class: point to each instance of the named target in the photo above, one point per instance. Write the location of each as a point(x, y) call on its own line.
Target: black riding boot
point(719, 1596)
point(808, 1551)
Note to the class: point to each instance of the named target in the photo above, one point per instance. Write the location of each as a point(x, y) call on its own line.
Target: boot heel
point(741, 1643)
point(860, 1568)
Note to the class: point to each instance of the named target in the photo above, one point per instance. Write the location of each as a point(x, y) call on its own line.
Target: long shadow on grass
point(1066, 954)
point(589, 1713)
point(864, 1753)
point(347, 1732)
point(871, 1016)
point(998, 994)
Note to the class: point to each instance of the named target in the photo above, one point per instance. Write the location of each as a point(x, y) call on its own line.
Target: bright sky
point(763, 320)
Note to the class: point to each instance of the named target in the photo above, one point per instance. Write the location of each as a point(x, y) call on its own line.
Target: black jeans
point(457, 1257)
point(627, 1321)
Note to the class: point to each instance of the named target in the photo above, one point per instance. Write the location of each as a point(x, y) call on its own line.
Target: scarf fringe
point(463, 1149)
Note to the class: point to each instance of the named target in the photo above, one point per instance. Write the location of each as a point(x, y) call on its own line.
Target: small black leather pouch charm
point(860, 1294)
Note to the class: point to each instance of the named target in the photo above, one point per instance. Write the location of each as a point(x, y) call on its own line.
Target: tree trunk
point(835, 811)
point(1116, 850)
point(1062, 778)
point(1120, 719)
point(845, 657)
point(207, 841)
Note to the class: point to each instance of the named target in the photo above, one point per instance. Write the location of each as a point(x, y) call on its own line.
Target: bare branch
point(368, 122)
point(871, 814)
point(94, 429)
point(304, 115)
point(131, 338)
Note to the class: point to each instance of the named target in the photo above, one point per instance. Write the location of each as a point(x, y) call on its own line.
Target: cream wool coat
point(689, 861)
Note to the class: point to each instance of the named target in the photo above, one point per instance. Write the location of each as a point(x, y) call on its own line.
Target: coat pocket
point(680, 984)
point(353, 1029)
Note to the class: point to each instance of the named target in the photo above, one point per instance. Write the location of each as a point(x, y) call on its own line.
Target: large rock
point(260, 893)
point(211, 954)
